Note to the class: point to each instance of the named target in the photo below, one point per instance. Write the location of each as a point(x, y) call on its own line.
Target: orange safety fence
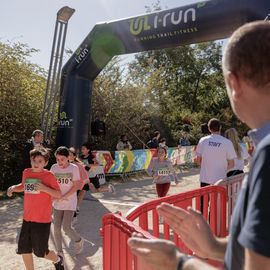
point(144, 219)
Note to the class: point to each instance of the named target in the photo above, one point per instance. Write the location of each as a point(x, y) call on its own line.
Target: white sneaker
point(60, 253)
point(79, 246)
point(111, 188)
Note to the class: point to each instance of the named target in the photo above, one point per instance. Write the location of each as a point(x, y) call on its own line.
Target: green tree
point(22, 86)
point(185, 86)
point(121, 105)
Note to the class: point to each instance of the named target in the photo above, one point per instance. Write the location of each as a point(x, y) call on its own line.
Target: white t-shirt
point(239, 163)
point(65, 178)
point(215, 150)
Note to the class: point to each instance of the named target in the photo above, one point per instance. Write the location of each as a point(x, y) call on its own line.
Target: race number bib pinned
point(163, 172)
point(29, 186)
point(64, 178)
point(97, 171)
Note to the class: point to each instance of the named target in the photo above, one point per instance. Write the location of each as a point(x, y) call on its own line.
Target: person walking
point(215, 155)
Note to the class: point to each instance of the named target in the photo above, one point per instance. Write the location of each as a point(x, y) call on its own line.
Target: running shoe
point(111, 188)
point(60, 264)
point(79, 246)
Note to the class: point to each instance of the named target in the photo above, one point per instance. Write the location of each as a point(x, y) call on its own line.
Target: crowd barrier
point(116, 254)
point(144, 219)
point(233, 185)
point(138, 160)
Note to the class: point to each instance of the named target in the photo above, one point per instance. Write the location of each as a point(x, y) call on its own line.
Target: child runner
point(68, 177)
point(162, 171)
point(39, 186)
point(83, 177)
point(88, 159)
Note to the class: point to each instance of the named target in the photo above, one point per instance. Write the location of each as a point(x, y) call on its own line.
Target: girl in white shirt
point(68, 177)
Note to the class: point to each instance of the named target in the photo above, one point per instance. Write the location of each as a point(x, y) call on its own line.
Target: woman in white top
point(241, 152)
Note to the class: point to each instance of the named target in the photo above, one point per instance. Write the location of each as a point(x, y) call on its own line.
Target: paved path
point(129, 194)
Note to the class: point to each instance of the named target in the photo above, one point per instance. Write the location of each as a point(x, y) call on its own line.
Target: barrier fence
point(138, 160)
point(116, 254)
point(144, 219)
point(232, 185)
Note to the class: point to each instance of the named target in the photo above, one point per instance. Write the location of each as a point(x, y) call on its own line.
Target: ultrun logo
point(81, 54)
point(137, 25)
point(64, 121)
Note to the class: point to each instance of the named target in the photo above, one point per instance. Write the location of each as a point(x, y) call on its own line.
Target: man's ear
point(46, 163)
point(234, 85)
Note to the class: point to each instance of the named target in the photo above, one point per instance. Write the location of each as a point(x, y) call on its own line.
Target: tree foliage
point(22, 87)
point(168, 90)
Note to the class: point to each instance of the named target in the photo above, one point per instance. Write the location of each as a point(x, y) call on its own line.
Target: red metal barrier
point(144, 219)
point(233, 186)
point(116, 254)
point(214, 210)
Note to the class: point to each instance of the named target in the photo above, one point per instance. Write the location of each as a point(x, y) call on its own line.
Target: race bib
point(64, 178)
point(29, 186)
point(163, 172)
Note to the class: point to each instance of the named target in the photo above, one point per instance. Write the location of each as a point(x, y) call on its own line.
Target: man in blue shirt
point(246, 67)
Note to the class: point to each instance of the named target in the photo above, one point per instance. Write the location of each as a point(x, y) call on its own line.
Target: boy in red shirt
point(39, 186)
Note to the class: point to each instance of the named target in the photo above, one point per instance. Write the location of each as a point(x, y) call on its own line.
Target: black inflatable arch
point(203, 21)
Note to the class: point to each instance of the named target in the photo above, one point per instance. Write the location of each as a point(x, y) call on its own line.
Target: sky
point(33, 21)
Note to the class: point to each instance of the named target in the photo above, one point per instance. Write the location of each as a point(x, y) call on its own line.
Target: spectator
point(246, 69)
point(215, 155)
point(240, 150)
point(98, 127)
point(37, 140)
point(162, 143)
point(154, 142)
point(184, 141)
point(204, 129)
point(123, 144)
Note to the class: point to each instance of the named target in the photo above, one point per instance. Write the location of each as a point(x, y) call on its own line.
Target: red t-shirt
point(38, 204)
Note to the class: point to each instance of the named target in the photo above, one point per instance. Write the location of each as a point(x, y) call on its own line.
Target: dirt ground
point(130, 193)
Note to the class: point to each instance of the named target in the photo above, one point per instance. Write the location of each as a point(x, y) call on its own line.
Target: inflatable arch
point(199, 22)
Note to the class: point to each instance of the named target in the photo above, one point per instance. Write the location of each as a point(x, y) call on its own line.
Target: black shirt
point(250, 226)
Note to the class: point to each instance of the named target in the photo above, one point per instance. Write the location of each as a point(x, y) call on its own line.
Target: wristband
point(182, 261)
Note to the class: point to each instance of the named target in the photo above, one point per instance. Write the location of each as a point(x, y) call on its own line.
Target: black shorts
point(34, 237)
point(234, 172)
point(93, 181)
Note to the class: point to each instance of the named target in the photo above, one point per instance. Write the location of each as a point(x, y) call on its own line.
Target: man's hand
point(158, 254)
point(191, 227)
